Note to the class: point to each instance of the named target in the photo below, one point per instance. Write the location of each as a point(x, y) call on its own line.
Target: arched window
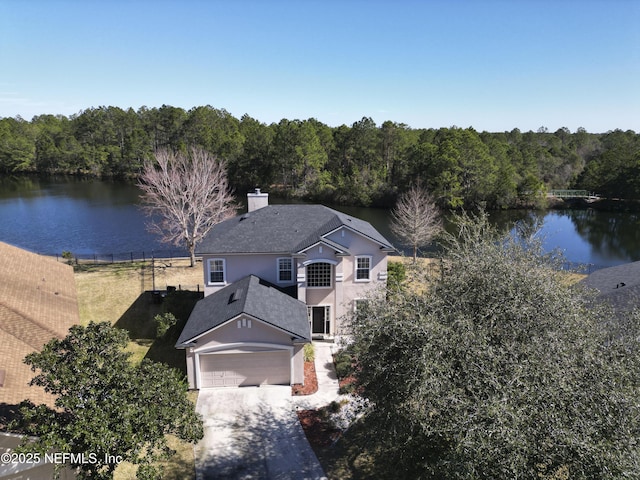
point(319, 275)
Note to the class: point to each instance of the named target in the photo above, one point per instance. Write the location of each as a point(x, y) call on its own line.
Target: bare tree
point(415, 218)
point(185, 194)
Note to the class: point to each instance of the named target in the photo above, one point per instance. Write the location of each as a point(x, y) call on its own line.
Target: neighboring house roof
point(38, 301)
point(283, 229)
point(251, 296)
point(619, 285)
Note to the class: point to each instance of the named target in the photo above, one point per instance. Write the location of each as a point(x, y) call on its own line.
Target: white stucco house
point(276, 277)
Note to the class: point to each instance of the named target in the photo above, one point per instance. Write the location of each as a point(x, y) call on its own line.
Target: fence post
point(153, 269)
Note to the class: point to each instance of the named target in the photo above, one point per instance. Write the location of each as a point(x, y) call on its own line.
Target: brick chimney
point(257, 200)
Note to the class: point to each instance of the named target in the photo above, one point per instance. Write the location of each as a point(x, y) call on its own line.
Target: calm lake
point(97, 217)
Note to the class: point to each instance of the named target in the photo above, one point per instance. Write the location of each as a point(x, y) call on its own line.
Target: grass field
point(106, 291)
point(121, 294)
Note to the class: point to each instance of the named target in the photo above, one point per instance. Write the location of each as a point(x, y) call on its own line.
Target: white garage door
point(242, 369)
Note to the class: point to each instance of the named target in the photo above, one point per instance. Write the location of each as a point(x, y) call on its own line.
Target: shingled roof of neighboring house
point(38, 301)
point(619, 285)
point(252, 296)
point(283, 229)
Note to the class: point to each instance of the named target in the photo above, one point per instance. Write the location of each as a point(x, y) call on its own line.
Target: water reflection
point(96, 216)
point(612, 236)
point(584, 236)
point(93, 191)
point(82, 216)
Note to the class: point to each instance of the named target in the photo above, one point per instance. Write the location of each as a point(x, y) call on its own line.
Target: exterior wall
point(298, 364)
point(317, 296)
point(344, 290)
point(239, 266)
point(259, 333)
point(191, 367)
point(230, 333)
point(354, 289)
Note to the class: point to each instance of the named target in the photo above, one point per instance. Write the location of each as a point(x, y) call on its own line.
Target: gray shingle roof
point(251, 296)
point(619, 285)
point(282, 229)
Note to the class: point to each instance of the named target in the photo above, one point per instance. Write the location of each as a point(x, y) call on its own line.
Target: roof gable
point(251, 296)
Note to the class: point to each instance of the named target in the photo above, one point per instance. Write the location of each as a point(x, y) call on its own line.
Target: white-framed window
point(319, 275)
point(285, 270)
point(217, 271)
point(359, 303)
point(363, 268)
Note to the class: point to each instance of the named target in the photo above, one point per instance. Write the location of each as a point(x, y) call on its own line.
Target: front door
point(320, 321)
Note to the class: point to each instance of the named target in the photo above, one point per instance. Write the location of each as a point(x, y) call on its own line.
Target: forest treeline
point(362, 164)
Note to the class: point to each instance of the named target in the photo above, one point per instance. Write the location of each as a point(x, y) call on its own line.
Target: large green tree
point(361, 164)
point(17, 145)
point(253, 165)
point(499, 370)
point(106, 407)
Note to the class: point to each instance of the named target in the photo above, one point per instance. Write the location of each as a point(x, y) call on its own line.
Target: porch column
point(301, 273)
point(338, 293)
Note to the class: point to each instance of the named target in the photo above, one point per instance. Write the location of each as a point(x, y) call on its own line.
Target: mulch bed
point(314, 422)
point(317, 429)
point(346, 381)
point(310, 381)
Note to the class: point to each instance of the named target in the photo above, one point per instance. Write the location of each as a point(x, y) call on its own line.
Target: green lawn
point(121, 295)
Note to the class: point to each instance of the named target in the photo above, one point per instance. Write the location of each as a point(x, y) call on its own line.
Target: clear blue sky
point(492, 65)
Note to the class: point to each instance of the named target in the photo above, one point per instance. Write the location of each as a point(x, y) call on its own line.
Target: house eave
point(351, 229)
point(209, 254)
point(194, 340)
point(340, 250)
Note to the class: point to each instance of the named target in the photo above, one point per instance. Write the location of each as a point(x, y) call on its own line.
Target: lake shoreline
point(101, 220)
point(601, 204)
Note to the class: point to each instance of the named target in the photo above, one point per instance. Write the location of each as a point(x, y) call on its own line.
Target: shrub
point(347, 388)
point(396, 274)
point(343, 363)
point(499, 370)
point(68, 256)
point(164, 322)
point(308, 352)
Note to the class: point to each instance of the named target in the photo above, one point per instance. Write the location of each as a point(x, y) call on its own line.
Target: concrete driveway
point(253, 433)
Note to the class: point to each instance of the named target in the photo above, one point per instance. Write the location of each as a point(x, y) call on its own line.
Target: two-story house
point(275, 277)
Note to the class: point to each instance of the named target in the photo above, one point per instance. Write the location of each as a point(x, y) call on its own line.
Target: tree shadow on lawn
point(139, 321)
